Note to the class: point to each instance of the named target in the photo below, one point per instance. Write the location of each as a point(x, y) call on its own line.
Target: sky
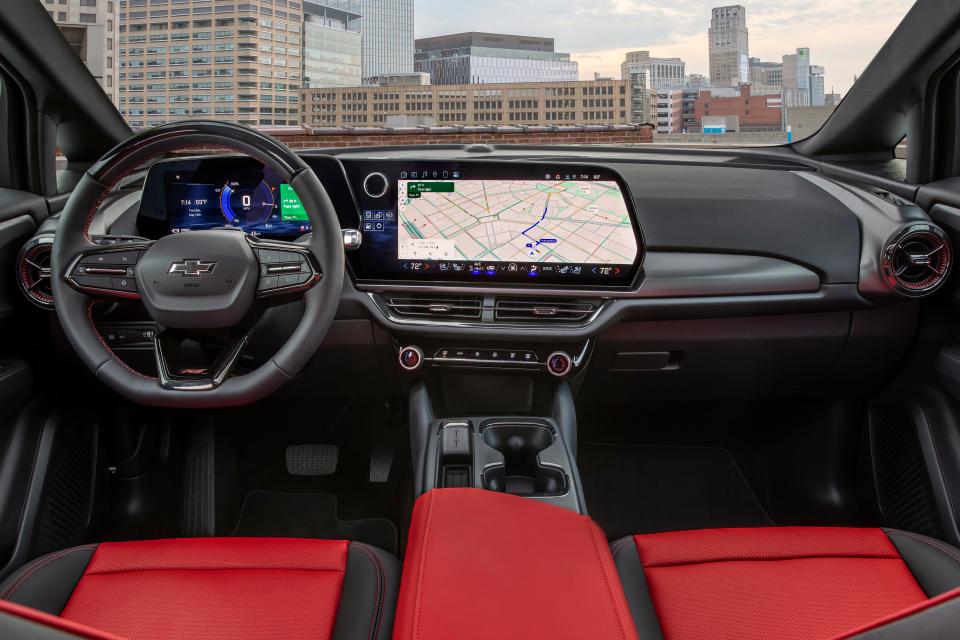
point(843, 35)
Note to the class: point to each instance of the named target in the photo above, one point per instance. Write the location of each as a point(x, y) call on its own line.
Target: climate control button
point(411, 358)
point(559, 363)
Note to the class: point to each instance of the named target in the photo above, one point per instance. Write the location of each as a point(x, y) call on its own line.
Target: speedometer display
point(233, 193)
point(241, 205)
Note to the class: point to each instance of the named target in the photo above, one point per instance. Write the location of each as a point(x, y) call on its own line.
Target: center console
point(532, 456)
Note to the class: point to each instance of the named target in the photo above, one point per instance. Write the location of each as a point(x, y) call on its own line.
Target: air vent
point(436, 307)
point(33, 271)
point(918, 259)
point(544, 310)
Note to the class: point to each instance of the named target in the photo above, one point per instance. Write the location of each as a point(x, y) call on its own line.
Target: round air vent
point(917, 260)
point(33, 271)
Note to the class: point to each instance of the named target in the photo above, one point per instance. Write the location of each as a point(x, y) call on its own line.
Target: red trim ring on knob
point(559, 363)
point(411, 358)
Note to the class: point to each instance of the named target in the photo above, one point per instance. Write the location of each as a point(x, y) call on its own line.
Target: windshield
point(622, 71)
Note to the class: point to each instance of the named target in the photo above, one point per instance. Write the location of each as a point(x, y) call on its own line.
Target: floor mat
point(643, 489)
point(309, 515)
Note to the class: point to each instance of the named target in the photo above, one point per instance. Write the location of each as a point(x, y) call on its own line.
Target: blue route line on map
point(544, 240)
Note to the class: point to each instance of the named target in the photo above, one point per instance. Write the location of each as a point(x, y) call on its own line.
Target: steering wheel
point(213, 282)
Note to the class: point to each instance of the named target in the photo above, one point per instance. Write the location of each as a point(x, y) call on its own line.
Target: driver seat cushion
point(780, 583)
point(216, 588)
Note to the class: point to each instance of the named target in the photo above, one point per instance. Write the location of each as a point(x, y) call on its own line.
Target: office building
point(399, 79)
point(817, 88)
point(386, 30)
point(729, 46)
point(766, 73)
point(642, 98)
point(180, 59)
point(832, 99)
point(92, 29)
point(332, 55)
point(664, 74)
point(482, 58)
point(669, 111)
point(696, 81)
point(741, 109)
point(796, 78)
point(531, 103)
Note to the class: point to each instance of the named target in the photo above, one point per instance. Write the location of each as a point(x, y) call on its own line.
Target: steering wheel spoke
point(173, 374)
point(107, 271)
point(287, 269)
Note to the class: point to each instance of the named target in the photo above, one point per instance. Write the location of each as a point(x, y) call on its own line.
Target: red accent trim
point(904, 613)
point(54, 622)
point(777, 582)
point(482, 565)
point(212, 588)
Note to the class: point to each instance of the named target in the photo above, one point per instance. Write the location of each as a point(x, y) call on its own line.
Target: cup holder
point(521, 472)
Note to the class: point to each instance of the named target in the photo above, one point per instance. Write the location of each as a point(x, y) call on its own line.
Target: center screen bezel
point(377, 262)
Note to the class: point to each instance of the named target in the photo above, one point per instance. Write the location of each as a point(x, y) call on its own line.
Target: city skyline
point(844, 36)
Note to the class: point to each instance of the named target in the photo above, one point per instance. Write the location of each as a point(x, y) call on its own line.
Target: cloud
point(843, 35)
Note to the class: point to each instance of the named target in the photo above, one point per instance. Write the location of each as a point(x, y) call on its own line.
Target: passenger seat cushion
point(217, 588)
point(235, 588)
point(775, 582)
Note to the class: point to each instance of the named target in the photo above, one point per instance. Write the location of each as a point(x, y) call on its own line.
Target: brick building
point(527, 103)
point(749, 112)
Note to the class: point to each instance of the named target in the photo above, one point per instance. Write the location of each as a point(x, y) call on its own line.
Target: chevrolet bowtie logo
point(191, 267)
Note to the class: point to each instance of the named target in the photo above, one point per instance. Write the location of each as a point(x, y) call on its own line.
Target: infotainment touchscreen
point(491, 222)
point(556, 224)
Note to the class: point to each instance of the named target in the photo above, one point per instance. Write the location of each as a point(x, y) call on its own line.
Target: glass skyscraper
point(386, 28)
point(484, 58)
point(332, 55)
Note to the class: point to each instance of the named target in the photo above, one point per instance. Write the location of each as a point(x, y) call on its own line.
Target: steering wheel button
point(269, 256)
point(268, 282)
point(289, 256)
point(288, 280)
point(123, 284)
point(120, 258)
point(95, 282)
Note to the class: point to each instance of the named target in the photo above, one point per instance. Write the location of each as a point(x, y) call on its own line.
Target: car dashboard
point(611, 267)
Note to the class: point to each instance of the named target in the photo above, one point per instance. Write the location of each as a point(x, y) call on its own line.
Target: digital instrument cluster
point(242, 193)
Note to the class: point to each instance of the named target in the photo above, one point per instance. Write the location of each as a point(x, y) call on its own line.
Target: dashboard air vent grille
point(33, 271)
point(436, 306)
point(544, 310)
point(917, 261)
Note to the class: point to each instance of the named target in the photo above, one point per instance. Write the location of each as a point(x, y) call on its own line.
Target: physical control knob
point(559, 363)
point(411, 358)
point(375, 185)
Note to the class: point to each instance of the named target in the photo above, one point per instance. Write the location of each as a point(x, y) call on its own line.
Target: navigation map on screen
point(552, 221)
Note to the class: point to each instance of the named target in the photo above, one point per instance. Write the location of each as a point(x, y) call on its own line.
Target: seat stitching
point(113, 572)
point(657, 565)
point(375, 618)
point(38, 564)
point(423, 565)
point(592, 532)
point(929, 542)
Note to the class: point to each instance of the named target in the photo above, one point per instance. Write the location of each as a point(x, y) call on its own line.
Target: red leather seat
point(215, 588)
point(778, 582)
